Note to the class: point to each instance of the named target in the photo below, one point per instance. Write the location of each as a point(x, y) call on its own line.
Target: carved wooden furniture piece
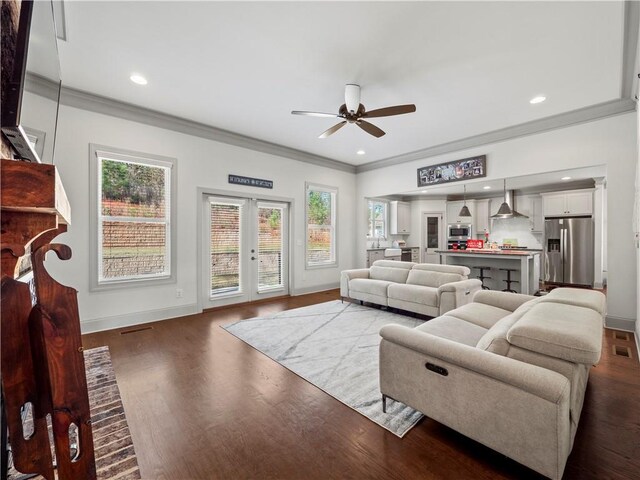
point(42, 360)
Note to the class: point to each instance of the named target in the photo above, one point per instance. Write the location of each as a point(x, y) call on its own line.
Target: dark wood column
point(42, 360)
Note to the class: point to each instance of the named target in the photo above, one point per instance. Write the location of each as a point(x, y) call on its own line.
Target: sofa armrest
point(455, 294)
point(505, 300)
point(348, 275)
point(538, 381)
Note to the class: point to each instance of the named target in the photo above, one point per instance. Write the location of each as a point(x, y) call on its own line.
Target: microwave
point(458, 231)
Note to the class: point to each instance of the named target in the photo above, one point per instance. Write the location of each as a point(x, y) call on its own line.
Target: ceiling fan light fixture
point(352, 97)
point(353, 112)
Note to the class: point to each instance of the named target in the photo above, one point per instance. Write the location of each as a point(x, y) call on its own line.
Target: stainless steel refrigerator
point(569, 252)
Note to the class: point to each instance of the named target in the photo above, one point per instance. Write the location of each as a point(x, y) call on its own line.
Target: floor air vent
point(618, 335)
point(622, 351)
point(136, 330)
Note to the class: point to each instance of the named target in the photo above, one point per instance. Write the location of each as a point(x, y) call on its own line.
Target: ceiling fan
point(352, 111)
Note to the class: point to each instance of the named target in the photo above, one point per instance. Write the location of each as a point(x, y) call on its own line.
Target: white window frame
point(333, 262)
point(96, 154)
point(385, 215)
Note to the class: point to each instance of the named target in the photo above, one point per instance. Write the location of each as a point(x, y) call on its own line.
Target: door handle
point(253, 258)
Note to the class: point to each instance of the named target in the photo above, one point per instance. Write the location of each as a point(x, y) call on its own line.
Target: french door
point(432, 237)
point(245, 249)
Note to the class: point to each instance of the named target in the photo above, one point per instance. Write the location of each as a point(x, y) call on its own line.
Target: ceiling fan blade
point(389, 111)
point(370, 128)
point(333, 129)
point(316, 114)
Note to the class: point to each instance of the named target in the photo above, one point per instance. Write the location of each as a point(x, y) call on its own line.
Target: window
point(377, 219)
point(321, 225)
point(134, 210)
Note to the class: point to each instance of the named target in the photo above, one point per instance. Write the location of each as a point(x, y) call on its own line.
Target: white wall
point(200, 163)
point(38, 112)
point(610, 141)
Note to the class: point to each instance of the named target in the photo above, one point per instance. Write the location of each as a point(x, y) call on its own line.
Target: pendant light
point(505, 210)
point(464, 211)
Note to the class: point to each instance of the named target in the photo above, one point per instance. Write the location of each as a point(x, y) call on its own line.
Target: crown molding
point(42, 86)
point(108, 106)
point(562, 120)
point(630, 48)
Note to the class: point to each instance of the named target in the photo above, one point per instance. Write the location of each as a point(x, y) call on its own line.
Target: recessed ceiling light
point(361, 152)
point(137, 78)
point(565, 178)
point(486, 187)
point(538, 99)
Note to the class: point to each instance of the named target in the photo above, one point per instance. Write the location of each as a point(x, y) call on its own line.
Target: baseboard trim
point(136, 318)
point(618, 323)
point(317, 288)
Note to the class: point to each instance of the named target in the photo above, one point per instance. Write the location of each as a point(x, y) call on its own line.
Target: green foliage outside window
point(319, 212)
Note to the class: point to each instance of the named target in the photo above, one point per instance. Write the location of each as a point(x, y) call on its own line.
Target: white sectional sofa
point(507, 370)
point(424, 288)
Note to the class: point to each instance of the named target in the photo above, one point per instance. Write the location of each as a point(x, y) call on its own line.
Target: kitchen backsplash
point(519, 228)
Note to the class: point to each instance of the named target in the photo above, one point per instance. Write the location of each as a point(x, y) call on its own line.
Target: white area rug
point(334, 346)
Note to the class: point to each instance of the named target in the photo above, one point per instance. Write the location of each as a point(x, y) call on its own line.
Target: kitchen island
point(526, 264)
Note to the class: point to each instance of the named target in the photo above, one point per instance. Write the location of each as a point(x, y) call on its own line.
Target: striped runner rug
point(115, 455)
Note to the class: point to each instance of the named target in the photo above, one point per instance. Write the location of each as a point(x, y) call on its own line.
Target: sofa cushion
point(579, 297)
point(453, 329)
point(505, 300)
point(432, 279)
point(369, 286)
point(393, 264)
point(495, 339)
point(479, 314)
point(389, 274)
point(436, 267)
point(563, 331)
point(414, 293)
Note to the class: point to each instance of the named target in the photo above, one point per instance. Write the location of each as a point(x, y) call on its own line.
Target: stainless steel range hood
point(508, 207)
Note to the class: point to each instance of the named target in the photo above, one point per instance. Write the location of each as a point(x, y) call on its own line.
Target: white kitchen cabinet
point(577, 202)
point(531, 206)
point(399, 218)
point(580, 203)
point(453, 212)
point(415, 255)
point(481, 217)
point(373, 255)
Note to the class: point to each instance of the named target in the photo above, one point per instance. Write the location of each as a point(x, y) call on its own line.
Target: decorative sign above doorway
point(465, 169)
point(250, 182)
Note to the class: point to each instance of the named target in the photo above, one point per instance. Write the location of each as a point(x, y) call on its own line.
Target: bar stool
point(508, 280)
point(482, 276)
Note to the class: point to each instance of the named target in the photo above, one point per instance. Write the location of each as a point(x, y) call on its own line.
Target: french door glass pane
point(432, 232)
point(225, 248)
point(270, 248)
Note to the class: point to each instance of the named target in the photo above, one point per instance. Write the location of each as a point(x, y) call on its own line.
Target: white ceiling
point(470, 67)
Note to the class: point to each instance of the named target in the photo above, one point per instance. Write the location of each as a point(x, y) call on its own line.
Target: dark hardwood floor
point(202, 404)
